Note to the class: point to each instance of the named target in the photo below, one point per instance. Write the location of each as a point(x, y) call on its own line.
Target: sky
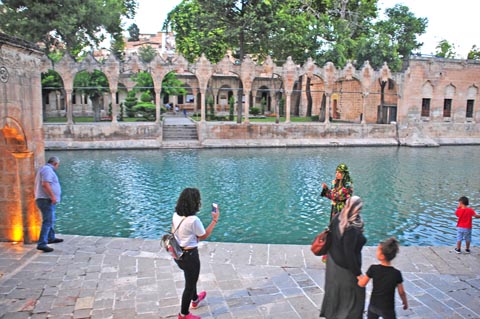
point(447, 20)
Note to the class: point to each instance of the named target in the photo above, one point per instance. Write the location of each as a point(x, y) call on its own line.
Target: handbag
point(322, 242)
point(171, 244)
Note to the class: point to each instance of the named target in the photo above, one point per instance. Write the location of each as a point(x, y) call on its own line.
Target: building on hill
point(163, 42)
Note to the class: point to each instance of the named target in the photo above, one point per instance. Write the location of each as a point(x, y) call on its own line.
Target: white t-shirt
point(189, 230)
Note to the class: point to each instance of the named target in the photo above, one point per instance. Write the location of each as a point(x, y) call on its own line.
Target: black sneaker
point(45, 249)
point(458, 251)
point(55, 241)
point(467, 251)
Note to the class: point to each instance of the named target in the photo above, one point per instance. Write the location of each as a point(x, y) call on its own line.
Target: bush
point(254, 111)
point(146, 110)
point(231, 104)
point(146, 97)
point(130, 102)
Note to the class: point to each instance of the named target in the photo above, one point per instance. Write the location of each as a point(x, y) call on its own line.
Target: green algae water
point(269, 195)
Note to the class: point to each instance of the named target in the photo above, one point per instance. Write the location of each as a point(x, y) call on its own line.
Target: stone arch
point(317, 92)
point(347, 99)
point(449, 95)
point(88, 100)
point(20, 219)
point(225, 92)
point(427, 90)
point(53, 95)
point(450, 91)
point(381, 104)
point(472, 93)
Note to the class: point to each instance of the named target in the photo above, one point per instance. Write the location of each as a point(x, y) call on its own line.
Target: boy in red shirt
point(464, 224)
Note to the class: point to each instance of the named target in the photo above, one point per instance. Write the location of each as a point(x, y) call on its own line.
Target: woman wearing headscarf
point(344, 299)
point(342, 189)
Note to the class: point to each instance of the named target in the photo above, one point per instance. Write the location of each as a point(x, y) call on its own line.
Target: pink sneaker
point(201, 296)
point(189, 316)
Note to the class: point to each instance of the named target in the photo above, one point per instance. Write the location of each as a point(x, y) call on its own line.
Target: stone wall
point(21, 139)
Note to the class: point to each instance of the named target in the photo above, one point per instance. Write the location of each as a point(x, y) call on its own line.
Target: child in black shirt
point(385, 280)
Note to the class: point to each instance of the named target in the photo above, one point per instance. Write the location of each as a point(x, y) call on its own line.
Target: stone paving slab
point(99, 277)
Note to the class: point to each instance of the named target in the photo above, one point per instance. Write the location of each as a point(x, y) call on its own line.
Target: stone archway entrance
point(21, 220)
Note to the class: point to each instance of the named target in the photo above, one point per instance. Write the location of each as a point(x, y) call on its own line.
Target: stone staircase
point(179, 133)
point(175, 132)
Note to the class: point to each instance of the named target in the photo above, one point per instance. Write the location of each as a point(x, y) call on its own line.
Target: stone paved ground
point(97, 277)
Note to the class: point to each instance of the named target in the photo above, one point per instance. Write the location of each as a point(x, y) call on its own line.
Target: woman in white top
point(189, 233)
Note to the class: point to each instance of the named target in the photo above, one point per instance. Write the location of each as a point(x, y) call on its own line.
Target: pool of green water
point(269, 195)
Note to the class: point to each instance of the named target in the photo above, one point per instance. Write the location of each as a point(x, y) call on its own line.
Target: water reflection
point(268, 195)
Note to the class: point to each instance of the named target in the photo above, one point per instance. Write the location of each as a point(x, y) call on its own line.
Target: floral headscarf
point(350, 214)
point(342, 168)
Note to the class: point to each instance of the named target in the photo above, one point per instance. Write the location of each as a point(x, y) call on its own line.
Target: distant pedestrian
point(190, 231)
point(47, 195)
point(185, 112)
point(385, 280)
point(176, 109)
point(464, 224)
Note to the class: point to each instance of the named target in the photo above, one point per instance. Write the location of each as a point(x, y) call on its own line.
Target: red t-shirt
point(465, 215)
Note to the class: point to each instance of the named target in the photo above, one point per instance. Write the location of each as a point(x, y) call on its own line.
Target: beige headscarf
point(350, 214)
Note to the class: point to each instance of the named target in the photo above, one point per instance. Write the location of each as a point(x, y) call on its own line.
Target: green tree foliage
point(130, 102)
point(62, 24)
point(231, 108)
point(445, 49)
point(402, 29)
point(134, 32)
point(93, 84)
point(117, 47)
point(474, 53)
point(197, 31)
point(147, 53)
point(326, 30)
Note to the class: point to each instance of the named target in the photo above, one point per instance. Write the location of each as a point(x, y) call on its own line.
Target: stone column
point(288, 103)
point(364, 107)
point(69, 105)
point(247, 106)
point(114, 106)
point(203, 106)
point(157, 105)
point(327, 108)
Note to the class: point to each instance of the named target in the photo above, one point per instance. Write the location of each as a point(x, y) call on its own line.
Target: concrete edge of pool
point(103, 277)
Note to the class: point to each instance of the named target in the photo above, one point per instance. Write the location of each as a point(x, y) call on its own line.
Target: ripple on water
point(268, 195)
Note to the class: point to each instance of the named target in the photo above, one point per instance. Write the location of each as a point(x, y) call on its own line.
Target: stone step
point(180, 132)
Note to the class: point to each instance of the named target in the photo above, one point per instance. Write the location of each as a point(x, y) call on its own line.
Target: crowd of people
point(344, 281)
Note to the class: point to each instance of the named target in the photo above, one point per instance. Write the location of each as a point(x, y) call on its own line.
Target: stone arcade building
point(433, 102)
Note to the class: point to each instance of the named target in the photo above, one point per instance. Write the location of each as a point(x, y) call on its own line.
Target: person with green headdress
point(342, 189)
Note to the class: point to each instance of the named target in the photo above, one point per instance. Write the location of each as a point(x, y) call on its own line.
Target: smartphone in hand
point(214, 208)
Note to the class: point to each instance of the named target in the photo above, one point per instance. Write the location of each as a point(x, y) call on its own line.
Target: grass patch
point(269, 119)
point(88, 119)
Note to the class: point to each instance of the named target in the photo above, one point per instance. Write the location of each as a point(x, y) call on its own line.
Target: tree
point(117, 47)
point(62, 24)
point(197, 31)
point(326, 30)
point(93, 84)
point(474, 53)
point(147, 53)
point(130, 102)
point(402, 27)
point(256, 27)
point(134, 32)
point(445, 49)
